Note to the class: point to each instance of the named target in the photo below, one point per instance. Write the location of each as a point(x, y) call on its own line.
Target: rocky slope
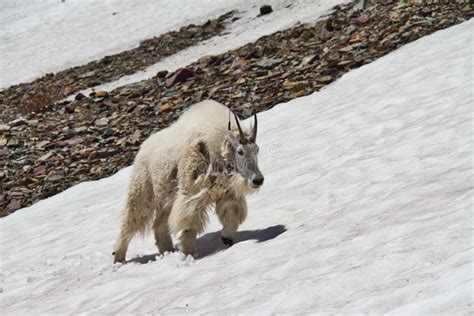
point(109, 68)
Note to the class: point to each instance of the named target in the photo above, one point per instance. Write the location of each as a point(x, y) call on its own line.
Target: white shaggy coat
point(178, 174)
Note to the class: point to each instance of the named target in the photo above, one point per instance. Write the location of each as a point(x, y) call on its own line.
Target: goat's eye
point(240, 152)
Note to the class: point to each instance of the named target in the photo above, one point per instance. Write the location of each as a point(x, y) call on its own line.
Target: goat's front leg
point(189, 218)
point(231, 211)
point(187, 241)
point(188, 214)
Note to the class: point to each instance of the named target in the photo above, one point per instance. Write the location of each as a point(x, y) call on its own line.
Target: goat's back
point(208, 118)
point(207, 113)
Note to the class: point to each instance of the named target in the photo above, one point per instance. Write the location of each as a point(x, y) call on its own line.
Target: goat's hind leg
point(162, 234)
point(137, 216)
point(121, 246)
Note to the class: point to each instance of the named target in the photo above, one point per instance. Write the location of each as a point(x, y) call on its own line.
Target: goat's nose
point(258, 181)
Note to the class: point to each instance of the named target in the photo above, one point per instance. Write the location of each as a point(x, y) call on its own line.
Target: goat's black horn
point(243, 140)
point(254, 132)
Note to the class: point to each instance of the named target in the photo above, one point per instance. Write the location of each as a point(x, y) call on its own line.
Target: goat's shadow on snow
point(211, 243)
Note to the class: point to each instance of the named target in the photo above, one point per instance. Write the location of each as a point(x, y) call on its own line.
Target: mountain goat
point(203, 159)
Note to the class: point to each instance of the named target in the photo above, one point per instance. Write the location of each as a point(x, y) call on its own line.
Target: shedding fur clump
point(183, 170)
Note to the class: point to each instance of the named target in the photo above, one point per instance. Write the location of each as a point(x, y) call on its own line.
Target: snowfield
point(43, 36)
point(367, 208)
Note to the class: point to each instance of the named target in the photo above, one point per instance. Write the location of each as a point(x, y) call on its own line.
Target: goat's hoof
point(118, 257)
point(227, 241)
point(118, 261)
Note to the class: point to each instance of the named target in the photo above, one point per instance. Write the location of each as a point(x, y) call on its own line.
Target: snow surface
point(367, 207)
point(41, 36)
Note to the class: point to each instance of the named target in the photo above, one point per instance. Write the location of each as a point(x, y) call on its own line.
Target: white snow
point(41, 36)
point(367, 208)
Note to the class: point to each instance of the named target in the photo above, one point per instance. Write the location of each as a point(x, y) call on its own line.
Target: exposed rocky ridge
point(97, 135)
